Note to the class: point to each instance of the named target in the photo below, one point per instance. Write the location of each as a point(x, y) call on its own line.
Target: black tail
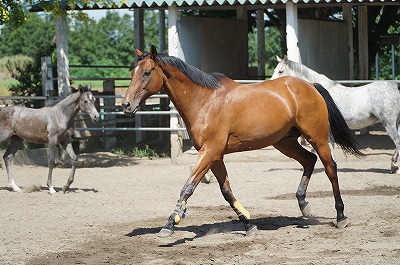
point(341, 133)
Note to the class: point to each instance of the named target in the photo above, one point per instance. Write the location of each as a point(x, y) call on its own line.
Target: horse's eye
point(280, 71)
point(146, 73)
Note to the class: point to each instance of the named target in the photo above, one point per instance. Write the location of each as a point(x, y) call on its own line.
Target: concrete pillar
point(138, 40)
point(292, 41)
point(62, 56)
point(174, 49)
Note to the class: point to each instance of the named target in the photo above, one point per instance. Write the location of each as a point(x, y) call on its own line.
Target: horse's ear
point(89, 87)
point(138, 53)
point(286, 58)
point(278, 58)
point(153, 52)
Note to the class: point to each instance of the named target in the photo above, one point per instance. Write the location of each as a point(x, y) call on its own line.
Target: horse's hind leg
point(51, 163)
point(290, 147)
point(393, 132)
point(74, 161)
point(324, 154)
point(15, 144)
point(221, 174)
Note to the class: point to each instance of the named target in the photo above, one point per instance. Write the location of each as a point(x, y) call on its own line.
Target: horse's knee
point(74, 162)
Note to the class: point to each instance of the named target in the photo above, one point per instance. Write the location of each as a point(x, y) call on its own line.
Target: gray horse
point(48, 125)
point(361, 106)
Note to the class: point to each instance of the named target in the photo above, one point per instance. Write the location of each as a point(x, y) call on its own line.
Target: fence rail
point(109, 112)
point(153, 112)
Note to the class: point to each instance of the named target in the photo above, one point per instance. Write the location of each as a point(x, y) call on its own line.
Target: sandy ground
point(116, 207)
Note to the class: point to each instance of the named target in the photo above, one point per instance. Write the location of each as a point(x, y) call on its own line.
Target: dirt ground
point(117, 205)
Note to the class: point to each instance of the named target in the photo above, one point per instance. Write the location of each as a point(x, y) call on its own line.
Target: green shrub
point(146, 152)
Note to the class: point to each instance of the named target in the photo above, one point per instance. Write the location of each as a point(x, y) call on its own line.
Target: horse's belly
point(357, 123)
point(252, 139)
point(31, 132)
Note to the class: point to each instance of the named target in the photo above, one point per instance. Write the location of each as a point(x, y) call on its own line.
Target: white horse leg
point(15, 144)
point(393, 133)
point(74, 161)
point(51, 163)
point(331, 143)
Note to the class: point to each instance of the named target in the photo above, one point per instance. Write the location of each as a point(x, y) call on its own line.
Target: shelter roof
point(121, 4)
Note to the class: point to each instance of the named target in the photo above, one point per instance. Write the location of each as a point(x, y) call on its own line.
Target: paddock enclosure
point(117, 205)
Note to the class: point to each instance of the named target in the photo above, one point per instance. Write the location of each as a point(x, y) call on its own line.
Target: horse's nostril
point(126, 104)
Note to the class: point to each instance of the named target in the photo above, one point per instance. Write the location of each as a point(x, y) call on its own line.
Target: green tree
point(29, 77)
point(108, 42)
point(25, 39)
point(150, 29)
point(12, 12)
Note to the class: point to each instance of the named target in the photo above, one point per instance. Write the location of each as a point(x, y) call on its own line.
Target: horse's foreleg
point(199, 170)
point(51, 163)
point(74, 162)
point(291, 148)
point(15, 144)
point(221, 174)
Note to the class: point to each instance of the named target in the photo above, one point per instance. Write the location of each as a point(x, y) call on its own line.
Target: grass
point(4, 85)
point(5, 77)
point(138, 152)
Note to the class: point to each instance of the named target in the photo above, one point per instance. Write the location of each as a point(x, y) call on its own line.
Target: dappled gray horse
point(361, 106)
point(48, 125)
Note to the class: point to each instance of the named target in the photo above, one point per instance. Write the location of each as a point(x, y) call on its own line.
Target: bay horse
point(223, 116)
point(360, 106)
point(48, 125)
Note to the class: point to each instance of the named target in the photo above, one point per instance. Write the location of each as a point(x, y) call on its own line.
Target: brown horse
point(48, 125)
point(223, 116)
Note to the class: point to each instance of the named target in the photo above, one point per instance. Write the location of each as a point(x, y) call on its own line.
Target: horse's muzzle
point(128, 108)
point(95, 117)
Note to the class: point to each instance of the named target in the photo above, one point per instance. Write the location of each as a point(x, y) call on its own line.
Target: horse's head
point(87, 102)
point(282, 69)
point(147, 79)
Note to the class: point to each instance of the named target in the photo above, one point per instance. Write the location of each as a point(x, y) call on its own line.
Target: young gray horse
point(361, 106)
point(48, 125)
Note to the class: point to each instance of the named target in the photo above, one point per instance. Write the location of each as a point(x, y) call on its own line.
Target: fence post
point(47, 78)
point(176, 141)
point(109, 120)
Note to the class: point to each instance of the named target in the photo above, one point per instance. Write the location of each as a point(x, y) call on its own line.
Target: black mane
point(196, 75)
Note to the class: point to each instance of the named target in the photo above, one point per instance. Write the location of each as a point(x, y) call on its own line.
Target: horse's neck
point(69, 106)
point(311, 76)
point(188, 99)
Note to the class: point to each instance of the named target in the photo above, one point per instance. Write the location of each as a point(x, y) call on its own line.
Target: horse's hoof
point(342, 224)
point(394, 170)
point(306, 211)
point(252, 231)
point(15, 188)
point(52, 191)
point(165, 232)
point(65, 189)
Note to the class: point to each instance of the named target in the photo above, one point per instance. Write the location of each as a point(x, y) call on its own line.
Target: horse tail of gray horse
point(341, 133)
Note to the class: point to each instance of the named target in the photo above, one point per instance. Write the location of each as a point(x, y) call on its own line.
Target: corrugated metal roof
point(120, 4)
